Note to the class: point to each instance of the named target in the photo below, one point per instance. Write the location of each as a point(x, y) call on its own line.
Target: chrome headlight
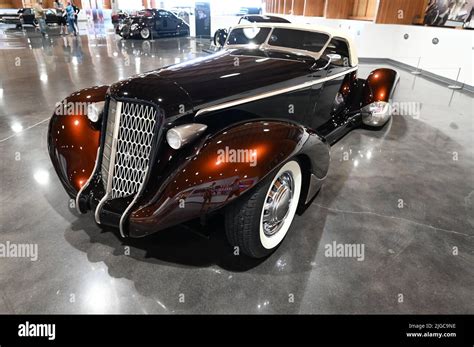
point(178, 136)
point(94, 111)
point(134, 27)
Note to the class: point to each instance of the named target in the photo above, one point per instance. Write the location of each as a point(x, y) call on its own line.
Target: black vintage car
point(221, 34)
point(245, 132)
point(152, 23)
point(26, 16)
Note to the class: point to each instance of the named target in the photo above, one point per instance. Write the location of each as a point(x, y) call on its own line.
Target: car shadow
point(185, 245)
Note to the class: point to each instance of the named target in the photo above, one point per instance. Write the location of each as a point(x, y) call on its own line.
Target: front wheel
point(258, 222)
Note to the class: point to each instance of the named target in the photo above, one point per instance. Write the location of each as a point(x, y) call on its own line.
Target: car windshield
point(246, 36)
point(298, 39)
point(303, 40)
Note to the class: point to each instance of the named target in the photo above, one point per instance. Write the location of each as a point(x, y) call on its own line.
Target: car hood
point(216, 78)
point(150, 87)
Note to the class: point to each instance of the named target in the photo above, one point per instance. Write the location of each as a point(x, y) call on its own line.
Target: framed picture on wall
point(449, 13)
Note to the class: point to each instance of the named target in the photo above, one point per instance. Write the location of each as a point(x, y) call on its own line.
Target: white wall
point(129, 5)
point(454, 50)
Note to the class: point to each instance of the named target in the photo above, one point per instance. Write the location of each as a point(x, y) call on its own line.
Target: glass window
point(164, 14)
point(244, 36)
point(298, 39)
point(339, 47)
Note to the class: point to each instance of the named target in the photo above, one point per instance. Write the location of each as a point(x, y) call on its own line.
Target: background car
point(152, 23)
point(221, 34)
point(26, 16)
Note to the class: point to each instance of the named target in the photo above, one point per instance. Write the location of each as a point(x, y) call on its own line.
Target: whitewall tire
point(145, 33)
point(289, 196)
point(258, 221)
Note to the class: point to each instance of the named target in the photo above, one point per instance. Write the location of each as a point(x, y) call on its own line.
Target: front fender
point(224, 167)
point(73, 140)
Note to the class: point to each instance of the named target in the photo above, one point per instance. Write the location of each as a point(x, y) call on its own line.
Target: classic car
point(152, 22)
point(245, 132)
point(221, 34)
point(26, 16)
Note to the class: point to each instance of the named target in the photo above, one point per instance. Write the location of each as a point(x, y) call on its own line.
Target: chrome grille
point(127, 148)
point(109, 134)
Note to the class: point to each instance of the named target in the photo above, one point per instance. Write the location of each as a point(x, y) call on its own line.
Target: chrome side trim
point(108, 189)
point(272, 93)
point(87, 182)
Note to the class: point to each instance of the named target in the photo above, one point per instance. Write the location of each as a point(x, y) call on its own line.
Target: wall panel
point(400, 11)
point(298, 7)
point(314, 8)
point(338, 8)
point(6, 4)
point(363, 9)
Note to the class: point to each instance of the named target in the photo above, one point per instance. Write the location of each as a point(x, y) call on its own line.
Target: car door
point(327, 102)
point(165, 22)
point(174, 21)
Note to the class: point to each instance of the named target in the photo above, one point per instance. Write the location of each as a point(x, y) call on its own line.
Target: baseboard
point(427, 74)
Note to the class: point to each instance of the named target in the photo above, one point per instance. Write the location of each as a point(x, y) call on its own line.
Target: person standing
point(70, 14)
point(76, 14)
point(40, 17)
point(62, 17)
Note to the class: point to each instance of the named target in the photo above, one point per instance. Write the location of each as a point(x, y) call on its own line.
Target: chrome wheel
point(145, 33)
point(277, 203)
point(280, 203)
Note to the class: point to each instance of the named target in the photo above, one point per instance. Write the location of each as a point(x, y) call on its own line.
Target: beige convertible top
point(331, 32)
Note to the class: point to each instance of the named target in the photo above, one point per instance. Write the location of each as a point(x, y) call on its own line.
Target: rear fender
point(73, 140)
point(224, 167)
point(377, 94)
point(379, 86)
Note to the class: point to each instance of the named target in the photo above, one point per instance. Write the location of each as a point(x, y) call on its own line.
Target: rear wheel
point(258, 222)
point(145, 33)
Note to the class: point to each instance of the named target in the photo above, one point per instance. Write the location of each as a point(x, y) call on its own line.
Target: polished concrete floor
point(418, 259)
